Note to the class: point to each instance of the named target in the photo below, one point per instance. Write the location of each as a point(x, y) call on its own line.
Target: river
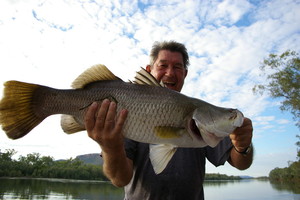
point(16, 188)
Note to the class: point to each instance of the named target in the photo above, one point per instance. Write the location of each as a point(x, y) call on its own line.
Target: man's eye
point(179, 67)
point(163, 66)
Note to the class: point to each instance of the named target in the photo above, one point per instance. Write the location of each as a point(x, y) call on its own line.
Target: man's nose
point(170, 71)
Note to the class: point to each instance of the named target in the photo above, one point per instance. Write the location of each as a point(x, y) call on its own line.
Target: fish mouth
point(194, 129)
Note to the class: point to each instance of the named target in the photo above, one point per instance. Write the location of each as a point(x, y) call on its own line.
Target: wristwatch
point(246, 151)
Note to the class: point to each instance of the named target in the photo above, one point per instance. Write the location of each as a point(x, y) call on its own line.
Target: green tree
point(290, 173)
point(283, 81)
point(35, 165)
point(7, 163)
point(7, 155)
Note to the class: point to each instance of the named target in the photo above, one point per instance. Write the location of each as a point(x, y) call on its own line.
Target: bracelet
point(246, 151)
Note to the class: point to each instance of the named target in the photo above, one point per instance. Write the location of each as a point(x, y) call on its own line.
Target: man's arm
point(105, 127)
point(241, 140)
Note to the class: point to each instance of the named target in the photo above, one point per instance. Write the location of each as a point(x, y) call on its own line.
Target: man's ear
point(148, 68)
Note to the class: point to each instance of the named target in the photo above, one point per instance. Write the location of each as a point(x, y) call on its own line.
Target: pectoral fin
point(160, 156)
point(168, 132)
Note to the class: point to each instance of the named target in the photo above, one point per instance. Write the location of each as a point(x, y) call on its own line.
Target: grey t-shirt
point(182, 178)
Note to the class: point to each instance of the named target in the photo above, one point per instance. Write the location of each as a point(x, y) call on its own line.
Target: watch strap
point(246, 151)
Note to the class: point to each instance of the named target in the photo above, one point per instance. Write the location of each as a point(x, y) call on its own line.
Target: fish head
point(210, 125)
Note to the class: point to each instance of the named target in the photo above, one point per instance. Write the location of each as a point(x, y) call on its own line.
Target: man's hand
point(105, 126)
point(241, 137)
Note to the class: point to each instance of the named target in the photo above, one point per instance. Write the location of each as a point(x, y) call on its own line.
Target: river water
point(16, 188)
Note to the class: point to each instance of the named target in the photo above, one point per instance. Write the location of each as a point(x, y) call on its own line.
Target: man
point(126, 162)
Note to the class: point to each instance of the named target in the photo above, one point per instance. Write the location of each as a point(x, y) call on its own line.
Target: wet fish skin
point(156, 115)
point(148, 106)
point(142, 101)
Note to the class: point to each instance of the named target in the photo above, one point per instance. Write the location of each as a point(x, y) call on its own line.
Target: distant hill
point(246, 177)
point(93, 158)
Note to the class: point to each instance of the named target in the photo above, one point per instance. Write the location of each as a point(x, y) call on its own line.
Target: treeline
point(287, 174)
point(221, 177)
point(37, 166)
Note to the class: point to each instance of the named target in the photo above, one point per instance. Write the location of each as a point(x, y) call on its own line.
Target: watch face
point(247, 150)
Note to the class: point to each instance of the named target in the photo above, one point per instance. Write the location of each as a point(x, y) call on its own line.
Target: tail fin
point(17, 116)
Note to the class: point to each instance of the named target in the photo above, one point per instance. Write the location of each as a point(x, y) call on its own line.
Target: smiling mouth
point(195, 129)
point(169, 84)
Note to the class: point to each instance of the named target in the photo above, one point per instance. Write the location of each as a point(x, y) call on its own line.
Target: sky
point(52, 42)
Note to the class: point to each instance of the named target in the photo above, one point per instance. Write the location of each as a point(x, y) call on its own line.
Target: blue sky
point(52, 42)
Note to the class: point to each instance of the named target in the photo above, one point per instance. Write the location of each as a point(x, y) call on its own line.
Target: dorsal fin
point(92, 74)
point(143, 77)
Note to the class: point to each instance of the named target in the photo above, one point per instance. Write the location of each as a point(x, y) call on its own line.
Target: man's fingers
point(103, 123)
point(100, 116)
point(89, 117)
point(111, 116)
point(121, 120)
point(246, 127)
point(242, 136)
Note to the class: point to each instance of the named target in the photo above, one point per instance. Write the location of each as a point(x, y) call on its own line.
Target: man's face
point(169, 69)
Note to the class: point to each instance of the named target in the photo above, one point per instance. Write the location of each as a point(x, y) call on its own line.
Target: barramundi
point(164, 118)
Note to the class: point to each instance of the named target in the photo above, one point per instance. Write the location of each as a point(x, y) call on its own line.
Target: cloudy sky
point(52, 42)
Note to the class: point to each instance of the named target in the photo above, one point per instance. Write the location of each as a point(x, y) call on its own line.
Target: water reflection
point(71, 189)
point(291, 187)
point(219, 183)
point(58, 188)
point(247, 189)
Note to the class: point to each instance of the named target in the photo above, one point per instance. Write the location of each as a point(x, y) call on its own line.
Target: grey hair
point(172, 46)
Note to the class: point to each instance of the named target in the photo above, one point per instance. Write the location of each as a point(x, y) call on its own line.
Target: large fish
point(157, 115)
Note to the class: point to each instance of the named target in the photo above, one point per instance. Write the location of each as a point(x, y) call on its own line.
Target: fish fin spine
point(17, 115)
point(143, 77)
point(70, 125)
point(93, 74)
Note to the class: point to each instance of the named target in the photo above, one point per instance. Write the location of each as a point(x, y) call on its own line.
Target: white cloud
point(283, 121)
point(229, 12)
point(265, 119)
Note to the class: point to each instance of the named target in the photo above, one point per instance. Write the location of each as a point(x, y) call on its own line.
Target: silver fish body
point(157, 115)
